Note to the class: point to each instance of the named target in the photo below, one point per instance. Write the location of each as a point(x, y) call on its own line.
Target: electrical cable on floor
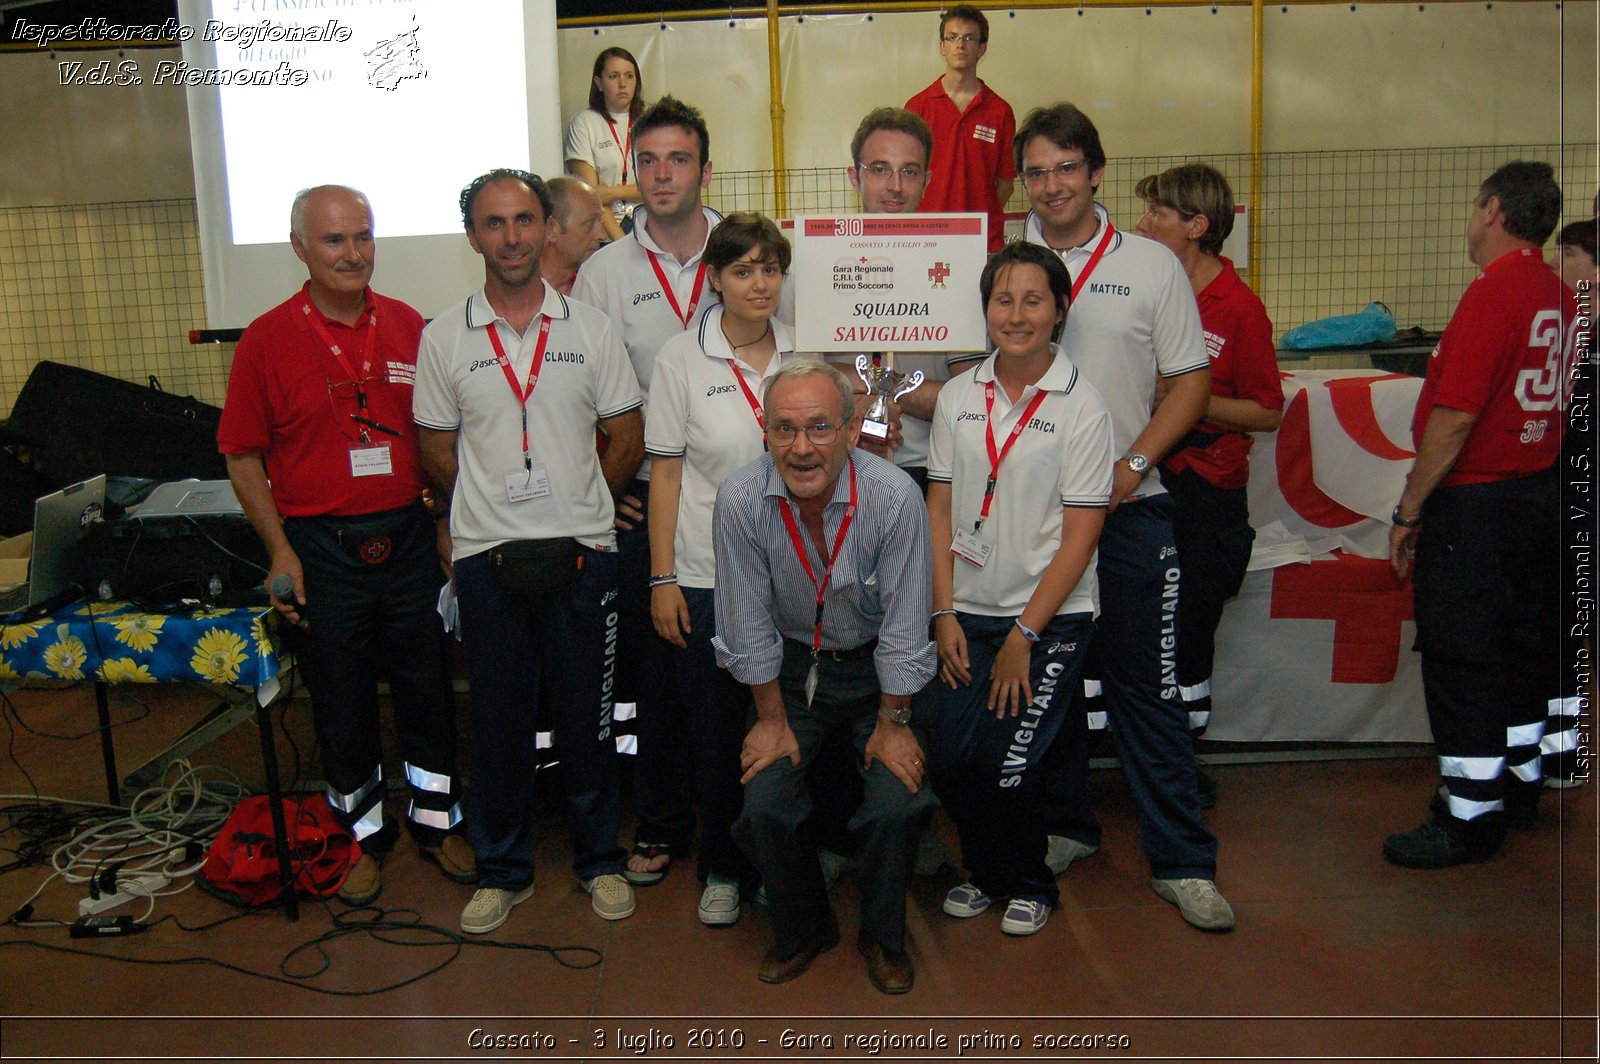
point(164, 833)
point(381, 924)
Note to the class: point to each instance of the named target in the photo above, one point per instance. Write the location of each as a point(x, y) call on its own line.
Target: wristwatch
point(1404, 522)
point(1138, 463)
point(897, 714)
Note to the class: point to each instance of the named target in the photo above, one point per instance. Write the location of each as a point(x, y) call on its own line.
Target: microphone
point(282, 586)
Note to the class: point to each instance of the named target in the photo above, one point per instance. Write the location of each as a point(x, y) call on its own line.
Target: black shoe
point(1429, 846)
point(1207, 788)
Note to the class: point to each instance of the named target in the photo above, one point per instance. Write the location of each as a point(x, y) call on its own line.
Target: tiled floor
point(1337, 954)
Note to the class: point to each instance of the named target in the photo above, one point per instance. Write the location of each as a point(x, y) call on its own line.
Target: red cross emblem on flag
point(937, 273)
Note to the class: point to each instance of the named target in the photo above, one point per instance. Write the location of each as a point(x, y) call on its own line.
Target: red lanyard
point(511, 378)
point(623, 148)
point(750, 397)
point(838, 542)
point(338, 352)
point(666, 288)
point(1094, 259)
point(996, 457)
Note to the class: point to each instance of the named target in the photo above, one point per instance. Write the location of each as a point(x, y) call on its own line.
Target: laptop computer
point(60, 563)
point(190, 498)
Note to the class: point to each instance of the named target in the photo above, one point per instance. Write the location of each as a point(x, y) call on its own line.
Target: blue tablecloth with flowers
point(117, 642)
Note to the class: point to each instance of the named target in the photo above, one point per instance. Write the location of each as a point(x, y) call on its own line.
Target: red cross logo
point(863, 260)
point(1365, 603)
point(937, 273)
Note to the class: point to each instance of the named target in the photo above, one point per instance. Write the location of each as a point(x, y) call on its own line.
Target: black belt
point(853, 654)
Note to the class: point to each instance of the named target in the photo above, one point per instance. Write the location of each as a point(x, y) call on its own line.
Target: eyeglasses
point(964, 38)
point(911, 175)
point(1035, 175)
point(821, 434)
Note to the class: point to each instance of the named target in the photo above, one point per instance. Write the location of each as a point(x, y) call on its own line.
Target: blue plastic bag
point(1375, 325)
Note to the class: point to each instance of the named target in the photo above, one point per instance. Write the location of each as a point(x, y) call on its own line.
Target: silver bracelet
point(1028, 633)
point(663, 580)
point(942, 613)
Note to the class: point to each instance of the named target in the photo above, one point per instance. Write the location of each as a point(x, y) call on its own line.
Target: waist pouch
point(536, 566)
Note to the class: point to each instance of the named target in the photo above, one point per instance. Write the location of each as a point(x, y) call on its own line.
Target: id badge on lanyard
point(827, 574)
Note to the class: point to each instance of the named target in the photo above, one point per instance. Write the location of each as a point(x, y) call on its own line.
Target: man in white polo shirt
point(511, 385)
point(1134, 323)
point(652, 283)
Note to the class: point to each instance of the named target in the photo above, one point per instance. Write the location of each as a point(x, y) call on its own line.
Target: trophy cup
point(884, 385)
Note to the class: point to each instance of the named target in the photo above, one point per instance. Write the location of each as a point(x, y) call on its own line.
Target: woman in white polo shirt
point(599, 142)
point(706, 422)
point(1019, 481)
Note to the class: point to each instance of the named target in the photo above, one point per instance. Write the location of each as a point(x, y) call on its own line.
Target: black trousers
point(372, 585)
point(1487, 590)
point(1212, 529)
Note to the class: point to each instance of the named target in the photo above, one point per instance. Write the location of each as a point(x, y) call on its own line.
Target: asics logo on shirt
point(720, 389)
point(971, 415)
point(640, 297)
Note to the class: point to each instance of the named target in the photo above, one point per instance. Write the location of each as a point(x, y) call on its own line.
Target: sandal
point(649, 851)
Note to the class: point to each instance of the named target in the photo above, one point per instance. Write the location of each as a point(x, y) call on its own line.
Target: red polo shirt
point(280, 404)
point(971, 154)
point(1507, 357)
point(1244, 365)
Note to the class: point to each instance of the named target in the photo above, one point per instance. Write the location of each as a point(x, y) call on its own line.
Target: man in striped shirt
point(823, 602)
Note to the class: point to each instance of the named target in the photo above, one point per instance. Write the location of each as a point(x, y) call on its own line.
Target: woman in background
point(1190, 209)
point(599, 143)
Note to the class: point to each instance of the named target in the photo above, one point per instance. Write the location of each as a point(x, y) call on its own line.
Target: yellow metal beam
point(775, 93)
point(1258, 33)
point(796, 9)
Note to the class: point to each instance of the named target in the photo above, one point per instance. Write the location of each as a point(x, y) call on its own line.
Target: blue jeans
point(777, 802)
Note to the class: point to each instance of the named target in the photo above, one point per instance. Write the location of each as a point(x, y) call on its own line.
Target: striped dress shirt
point(882, 585)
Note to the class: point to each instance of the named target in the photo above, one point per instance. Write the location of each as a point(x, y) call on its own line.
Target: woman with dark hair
point(706, 421)
point(599, 142)
point(1189, 208)
point(1019, 480)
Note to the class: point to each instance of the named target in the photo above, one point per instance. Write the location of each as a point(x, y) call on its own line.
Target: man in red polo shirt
point(1480, 514)
point(971, 168)
point(322, 453)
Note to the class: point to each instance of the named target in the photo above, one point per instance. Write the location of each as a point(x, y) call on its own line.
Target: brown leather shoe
point(776, 969)
point(890, 972)
point(363, 885)
point(454, 857)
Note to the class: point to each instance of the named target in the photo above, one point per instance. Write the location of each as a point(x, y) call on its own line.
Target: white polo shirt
point(1063, 458)
point(620, 280)
point(584, 378)
point(1134, 319)
point(699, 413)
point(590, 140)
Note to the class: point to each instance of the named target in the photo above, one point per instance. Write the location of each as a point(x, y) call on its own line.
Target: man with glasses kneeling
point(823, 602)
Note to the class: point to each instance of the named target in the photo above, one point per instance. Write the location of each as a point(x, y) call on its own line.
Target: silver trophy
point(885, 385)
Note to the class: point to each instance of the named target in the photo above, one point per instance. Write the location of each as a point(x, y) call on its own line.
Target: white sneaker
point(611, 896)
point(1199, 901)
point(1062, 851)
point(1024, 917)
point(966, 901)
point(719, 904)
point(489, 908)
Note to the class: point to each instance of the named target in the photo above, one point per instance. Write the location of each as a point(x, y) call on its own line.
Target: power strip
point(133, 887)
